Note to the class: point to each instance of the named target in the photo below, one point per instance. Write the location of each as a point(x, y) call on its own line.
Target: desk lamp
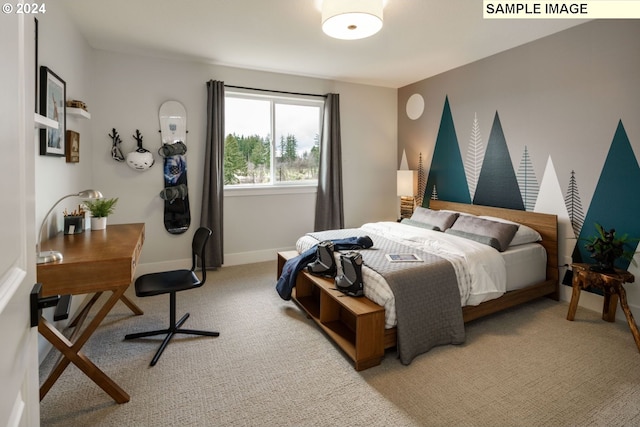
point(51, 256)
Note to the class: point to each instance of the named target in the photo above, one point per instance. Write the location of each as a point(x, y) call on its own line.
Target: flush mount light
point(351, 19)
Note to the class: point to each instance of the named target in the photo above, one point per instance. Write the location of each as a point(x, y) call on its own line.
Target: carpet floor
point(271, 366)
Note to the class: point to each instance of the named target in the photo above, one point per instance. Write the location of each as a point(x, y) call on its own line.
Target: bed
point(522, 272)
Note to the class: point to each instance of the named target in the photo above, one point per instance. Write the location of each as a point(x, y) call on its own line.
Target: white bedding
point(526, 265)
point(483, 273)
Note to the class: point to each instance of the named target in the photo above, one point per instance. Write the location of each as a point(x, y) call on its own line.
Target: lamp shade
point(90, 194)
point(406, 183)
point(351, 19)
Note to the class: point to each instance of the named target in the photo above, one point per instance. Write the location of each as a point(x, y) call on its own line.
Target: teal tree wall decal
point(614, 203)
point(447, 170)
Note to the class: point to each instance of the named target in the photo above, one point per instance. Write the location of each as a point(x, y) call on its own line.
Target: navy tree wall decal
point(497, 184)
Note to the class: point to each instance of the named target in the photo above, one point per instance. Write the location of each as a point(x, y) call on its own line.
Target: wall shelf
point(78, 112)
point(43, 122)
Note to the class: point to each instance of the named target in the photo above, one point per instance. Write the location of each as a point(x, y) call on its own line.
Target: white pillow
point(524, 234)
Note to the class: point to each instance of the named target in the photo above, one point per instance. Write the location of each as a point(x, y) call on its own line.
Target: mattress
point(526, 265)
point(521, 265)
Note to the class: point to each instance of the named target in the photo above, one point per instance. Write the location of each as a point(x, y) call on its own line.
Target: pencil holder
point(73, 224)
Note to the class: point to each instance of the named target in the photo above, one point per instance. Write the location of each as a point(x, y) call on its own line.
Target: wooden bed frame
point(356, 325)
point(546, 225)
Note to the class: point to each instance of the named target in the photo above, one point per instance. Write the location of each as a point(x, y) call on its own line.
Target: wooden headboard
point(545, 224)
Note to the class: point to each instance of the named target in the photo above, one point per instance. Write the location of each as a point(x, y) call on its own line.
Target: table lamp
point(406, 189)
point(51, 256)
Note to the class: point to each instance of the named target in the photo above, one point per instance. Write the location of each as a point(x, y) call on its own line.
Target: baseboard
point(594, 302)
point(253, 256)
point(239, 258)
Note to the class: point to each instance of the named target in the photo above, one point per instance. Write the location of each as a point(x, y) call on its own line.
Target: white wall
point(127, 92)
point(64, 51)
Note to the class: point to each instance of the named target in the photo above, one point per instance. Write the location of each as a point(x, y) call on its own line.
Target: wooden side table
point(611, 284)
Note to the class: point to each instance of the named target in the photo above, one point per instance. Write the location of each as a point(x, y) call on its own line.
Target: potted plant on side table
point(606, 248)
point(100, 209)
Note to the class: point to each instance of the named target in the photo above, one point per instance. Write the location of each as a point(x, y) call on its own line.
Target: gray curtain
point(329, 209)
point(212, 191)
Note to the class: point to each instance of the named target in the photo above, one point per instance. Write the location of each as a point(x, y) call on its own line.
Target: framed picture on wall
point(53, 93)
point(72, 146)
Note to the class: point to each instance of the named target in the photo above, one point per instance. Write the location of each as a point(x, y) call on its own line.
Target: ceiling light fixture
point(351, 19)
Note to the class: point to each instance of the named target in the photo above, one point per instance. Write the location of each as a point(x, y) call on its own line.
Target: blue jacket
point(294, 265)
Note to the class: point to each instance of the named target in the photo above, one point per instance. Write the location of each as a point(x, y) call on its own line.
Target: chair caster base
point(171, 331)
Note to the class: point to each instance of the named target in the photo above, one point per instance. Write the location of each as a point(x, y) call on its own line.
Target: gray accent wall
point(560, 100)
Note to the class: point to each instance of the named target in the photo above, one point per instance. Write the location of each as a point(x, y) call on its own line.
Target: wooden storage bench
point(356, 325)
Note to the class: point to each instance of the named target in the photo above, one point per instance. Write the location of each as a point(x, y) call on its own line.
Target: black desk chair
point(170, 282)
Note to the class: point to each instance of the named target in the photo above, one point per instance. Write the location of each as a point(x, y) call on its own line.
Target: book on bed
point(403, 258)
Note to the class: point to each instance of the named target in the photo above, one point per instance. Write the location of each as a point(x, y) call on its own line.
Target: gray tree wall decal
point(422, 182)
point(475, 155)
point(434, 193)
point(527, 181)
point(574, 205)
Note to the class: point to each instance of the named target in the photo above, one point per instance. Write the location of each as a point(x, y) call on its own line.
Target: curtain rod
point(276, 91)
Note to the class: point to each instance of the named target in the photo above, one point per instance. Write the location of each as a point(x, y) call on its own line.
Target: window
point(252, 157)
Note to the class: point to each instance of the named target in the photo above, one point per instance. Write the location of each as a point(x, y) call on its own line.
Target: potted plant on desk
point(606, 248)
point(100, 209)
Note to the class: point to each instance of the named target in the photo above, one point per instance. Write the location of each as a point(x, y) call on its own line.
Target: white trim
point(240, 258)
point(78, 112)
point(245, 191)
point(43, 122)
point(594, 302)
point(16, 418)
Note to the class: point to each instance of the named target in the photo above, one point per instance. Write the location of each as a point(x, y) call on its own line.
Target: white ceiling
point(420, 38)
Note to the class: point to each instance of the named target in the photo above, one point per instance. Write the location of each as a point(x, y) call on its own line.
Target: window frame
point(275, 187)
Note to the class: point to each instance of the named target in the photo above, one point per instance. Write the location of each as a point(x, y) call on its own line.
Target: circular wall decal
point(415, 106)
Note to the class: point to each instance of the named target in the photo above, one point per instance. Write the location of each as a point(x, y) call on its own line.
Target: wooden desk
point(611, 284)
point(94, 262)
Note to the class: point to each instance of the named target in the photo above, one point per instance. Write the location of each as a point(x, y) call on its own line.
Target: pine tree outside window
point(271, 140)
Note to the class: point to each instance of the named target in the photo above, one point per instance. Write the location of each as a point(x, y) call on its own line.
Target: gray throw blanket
point(426, 294)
